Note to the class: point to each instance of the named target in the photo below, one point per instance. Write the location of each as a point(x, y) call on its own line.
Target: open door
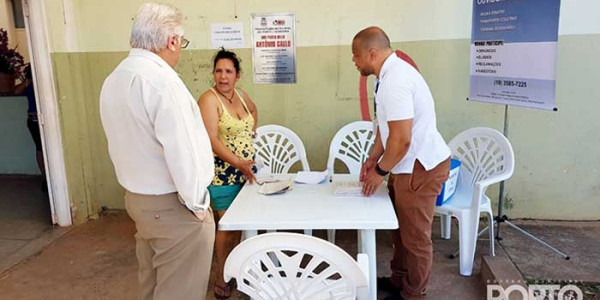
point(43, 78)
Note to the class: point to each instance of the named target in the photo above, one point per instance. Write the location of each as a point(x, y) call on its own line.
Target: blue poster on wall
point(513, 52)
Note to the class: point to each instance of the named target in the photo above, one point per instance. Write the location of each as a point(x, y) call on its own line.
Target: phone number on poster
point(511, 83)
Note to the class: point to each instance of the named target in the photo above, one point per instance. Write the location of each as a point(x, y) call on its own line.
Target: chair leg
point(331, 235)
point(446, 223)
point(467, 239)
point(491, 233)
point(308, 231)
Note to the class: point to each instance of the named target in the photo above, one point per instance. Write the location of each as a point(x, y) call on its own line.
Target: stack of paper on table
point(311, 177)
point(275, 187)
point(262, 180)
point(347, 189)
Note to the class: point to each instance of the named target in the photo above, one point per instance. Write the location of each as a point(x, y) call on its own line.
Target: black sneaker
point(385, 284)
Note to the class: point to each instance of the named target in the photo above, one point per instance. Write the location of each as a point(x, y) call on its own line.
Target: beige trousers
point(173, 247)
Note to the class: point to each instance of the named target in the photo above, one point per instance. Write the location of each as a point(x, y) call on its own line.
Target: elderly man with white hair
point(162, 157)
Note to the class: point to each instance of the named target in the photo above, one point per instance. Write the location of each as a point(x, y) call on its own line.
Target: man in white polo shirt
point(162, 157)
point(410, 148)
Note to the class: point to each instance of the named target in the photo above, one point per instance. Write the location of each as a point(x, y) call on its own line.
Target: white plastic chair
point(290, 266)
point(277, 150)
point(351, 145)
point(487, 158)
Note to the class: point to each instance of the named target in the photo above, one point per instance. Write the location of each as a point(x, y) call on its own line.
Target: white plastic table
point(313, 206)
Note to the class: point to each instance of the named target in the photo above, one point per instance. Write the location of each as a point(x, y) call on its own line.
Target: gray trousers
point(173, 247)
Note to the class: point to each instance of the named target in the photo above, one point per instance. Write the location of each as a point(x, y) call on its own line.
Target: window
point(17, 8)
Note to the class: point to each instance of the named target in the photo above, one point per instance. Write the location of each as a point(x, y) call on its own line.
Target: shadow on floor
point(579, 240)
point(97, 261)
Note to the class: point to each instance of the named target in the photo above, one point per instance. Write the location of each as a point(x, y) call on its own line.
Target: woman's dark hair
point(225, 54)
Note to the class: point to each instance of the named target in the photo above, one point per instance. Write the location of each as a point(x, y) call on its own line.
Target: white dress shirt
point(403, 94)
point(156, 138)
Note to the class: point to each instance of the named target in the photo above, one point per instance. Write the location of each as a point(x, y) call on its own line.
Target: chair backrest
point(484, 154)
point(278, 148)
point(351, 144)
point(294, 266)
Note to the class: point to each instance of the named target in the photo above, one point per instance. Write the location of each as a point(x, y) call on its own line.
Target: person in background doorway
point(409, 147)
point(162, 157)
point(230, 118)
point(26, 88)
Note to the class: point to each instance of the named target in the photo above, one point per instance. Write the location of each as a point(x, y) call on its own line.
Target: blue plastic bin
point(449, 186)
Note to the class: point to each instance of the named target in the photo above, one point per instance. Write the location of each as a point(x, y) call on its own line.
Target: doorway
point(33, 198)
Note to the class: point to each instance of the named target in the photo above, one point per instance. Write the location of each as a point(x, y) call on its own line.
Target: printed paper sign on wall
point(227, 35)
point(513, 52)
point(274, 48)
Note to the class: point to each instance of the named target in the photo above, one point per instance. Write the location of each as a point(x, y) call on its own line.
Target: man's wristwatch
point(380, 171)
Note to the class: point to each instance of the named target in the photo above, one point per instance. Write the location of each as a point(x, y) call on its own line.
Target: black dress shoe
point(385, 284)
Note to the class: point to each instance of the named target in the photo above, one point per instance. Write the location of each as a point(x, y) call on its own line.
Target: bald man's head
point(370, 48)
point(372, 37)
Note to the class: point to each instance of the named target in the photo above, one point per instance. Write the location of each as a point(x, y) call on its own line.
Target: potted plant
point(11, 64)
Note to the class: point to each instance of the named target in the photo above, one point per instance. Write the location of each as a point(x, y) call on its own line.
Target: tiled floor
point(24, 213)
point(97, 261)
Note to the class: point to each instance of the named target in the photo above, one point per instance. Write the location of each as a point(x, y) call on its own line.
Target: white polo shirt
point(403, 94)
point(156, 137)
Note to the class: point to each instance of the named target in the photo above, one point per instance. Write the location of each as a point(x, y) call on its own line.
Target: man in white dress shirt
point(409, 147)
point(162, 157)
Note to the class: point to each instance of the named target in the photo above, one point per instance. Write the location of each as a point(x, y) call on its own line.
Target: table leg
point(367, 245)
point(359, 242)
point(246, 234)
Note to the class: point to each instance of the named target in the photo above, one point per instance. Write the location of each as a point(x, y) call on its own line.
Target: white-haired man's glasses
point(184, 42)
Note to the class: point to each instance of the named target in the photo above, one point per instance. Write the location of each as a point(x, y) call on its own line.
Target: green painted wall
point(17, 150)
point(556, 167)
point(92, 183)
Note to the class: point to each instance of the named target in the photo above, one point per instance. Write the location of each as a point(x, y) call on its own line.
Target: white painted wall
point(94, 25)
point(16, 37)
